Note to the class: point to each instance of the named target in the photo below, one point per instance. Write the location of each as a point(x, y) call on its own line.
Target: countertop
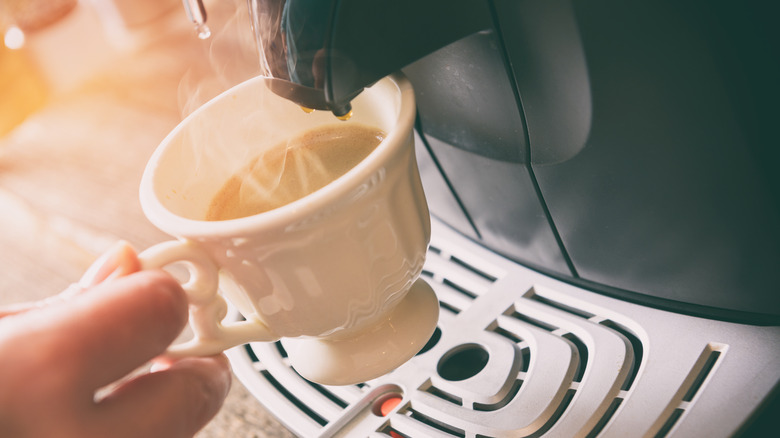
point(70, 170)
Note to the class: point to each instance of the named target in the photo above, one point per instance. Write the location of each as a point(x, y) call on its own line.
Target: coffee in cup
point(293, 169)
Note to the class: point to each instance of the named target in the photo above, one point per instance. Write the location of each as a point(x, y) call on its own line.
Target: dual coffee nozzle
point(274, 25)
point(196, 12)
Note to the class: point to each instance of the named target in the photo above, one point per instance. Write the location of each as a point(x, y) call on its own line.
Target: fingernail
point(115, 262)
point(159, 365)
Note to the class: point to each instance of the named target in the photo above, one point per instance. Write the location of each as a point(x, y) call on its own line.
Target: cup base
point(376, 351)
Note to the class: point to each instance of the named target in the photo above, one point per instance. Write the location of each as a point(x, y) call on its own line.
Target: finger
point(106, 332)
point(174, 402)
point(16, 308)
point(121, 259)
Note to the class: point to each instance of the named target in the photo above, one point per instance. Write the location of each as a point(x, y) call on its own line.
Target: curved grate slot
point(613, 407)
point(696, 379)
point(434, 423)
point(449, 398)
point(501, 403)
point(636, 347)
point(293, 399)
point(582, 355)
point(669, 424)
point(556, 415)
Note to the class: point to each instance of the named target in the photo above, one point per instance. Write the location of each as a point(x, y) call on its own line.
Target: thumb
point(175, 401)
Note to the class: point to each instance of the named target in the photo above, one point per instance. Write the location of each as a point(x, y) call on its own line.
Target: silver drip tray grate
point(517, 353)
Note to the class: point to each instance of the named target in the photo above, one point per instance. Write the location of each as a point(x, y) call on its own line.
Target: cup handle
point(207, 307)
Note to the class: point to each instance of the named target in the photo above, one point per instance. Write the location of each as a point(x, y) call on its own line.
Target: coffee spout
point(321, 54)
point(196, 12)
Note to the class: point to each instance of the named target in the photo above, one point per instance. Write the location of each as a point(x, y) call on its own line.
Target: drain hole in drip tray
point(463, 362)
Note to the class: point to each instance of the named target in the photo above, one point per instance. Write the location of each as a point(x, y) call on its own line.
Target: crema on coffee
point(293, 169)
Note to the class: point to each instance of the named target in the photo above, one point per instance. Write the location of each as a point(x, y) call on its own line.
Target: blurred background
point(88, 89)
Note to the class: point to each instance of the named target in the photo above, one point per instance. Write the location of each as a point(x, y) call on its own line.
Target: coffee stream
point(293, 169)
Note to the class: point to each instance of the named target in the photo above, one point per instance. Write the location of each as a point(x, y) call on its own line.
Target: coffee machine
point(606, 206)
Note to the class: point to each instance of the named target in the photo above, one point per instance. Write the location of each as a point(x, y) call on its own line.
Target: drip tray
point(517, 353)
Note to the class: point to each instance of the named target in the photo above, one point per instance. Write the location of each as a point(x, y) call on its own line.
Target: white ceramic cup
point(335, 273)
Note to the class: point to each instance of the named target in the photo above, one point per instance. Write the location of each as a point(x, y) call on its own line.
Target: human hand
point(57, 354)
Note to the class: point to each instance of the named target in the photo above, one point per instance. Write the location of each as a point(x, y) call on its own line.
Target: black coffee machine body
point(626, 148)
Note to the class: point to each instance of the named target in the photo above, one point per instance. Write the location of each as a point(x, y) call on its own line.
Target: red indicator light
point(389, 404)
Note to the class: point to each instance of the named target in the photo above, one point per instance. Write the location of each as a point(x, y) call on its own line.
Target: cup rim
point(181, 226)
